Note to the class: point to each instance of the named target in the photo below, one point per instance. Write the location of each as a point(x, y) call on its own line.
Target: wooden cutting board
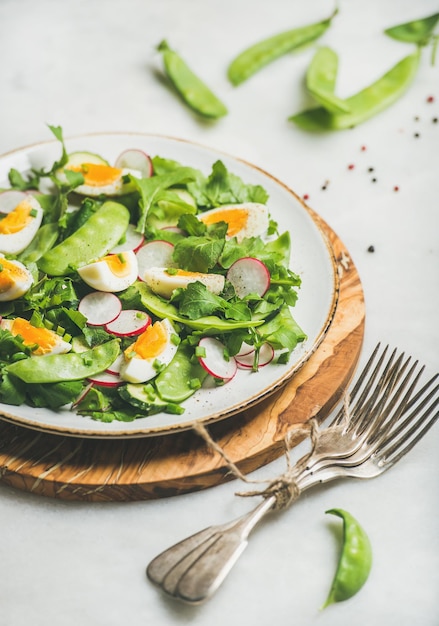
point(167, 465)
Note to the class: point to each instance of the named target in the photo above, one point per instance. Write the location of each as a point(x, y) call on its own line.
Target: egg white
point(257, 218)
point(99, 275)
point(163, 284)
point(59, 345)
point(14, 243)
point(135, 369)
point(21, 281)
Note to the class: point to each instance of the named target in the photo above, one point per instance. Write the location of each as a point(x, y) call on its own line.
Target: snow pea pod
point(264, 52)
point(40, 244)
point(320, 80)
point(355, 560)
point(101, 232)
point(417, 31)
point(56, 368)
point(366, 103)
point(190, 87)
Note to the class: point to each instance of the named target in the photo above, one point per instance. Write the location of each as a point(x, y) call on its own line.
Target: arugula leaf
point(52, 292)
point(12, 390)
point(282, 332)
point(223, 187)
point(198, 254)
point(196, 301)
point(17, 180)
point(53, 395)
point(150, 190)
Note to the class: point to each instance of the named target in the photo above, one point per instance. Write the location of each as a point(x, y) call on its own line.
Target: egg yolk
point(98, 175)
point(45, 339)
point(183, 273)
point(10, 275)
point(236, 219)
point(118, 264)
point(150, 343)
point(17, 219)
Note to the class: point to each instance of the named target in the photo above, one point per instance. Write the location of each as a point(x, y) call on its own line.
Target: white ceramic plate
point(312, 259)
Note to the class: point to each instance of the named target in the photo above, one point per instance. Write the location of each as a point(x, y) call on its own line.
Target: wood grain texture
point(168, 465)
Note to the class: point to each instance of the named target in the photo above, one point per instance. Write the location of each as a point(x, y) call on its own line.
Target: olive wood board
point(167, 465)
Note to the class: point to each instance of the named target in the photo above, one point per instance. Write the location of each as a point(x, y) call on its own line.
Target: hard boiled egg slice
point(114, 272)
point(101, 179)
point(164, 280)
point(153, 350)
point(45, 341)
point(19, 226)
point(15, 279)
point(244, 220)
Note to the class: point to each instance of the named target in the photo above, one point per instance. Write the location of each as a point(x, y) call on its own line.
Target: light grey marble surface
point(92, 66)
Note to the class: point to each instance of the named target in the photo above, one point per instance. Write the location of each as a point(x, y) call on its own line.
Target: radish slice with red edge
point(114, 368)
point(246, 348)
point(156, 253)
point(82, 395)
point(10, 198)
point(100, 307)
point(249, 275)
point(135, 160)
point(266, 355)
point(105, 379)
point(129, 323)
point(133, 241)
point(214, 361)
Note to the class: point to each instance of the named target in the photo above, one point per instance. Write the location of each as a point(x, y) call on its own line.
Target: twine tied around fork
point(284, 487)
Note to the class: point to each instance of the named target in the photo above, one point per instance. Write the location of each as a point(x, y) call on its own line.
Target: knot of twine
point(283, 488)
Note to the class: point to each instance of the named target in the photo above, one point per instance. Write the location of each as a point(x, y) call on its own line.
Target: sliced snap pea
point(366, 103)
point(57, 368)
point(321, 77)
point(264, 52)
point(101, 232)
point(190, 87)
point(161, 309)
point(417, 31)
point(176, 382)
point(355, 560)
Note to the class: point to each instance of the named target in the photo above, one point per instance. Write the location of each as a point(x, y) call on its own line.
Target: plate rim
point(212, 418)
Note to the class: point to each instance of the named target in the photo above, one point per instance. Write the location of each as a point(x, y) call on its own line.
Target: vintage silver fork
point(387, 419)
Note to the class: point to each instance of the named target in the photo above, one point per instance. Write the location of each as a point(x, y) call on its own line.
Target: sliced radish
point(173, 229)
point(246, 348)
point(214, 361)
point(129, 323)
point(105, 379)
point(100, 307)
point(156, 253)
point(135, 160)
point(266, 355)
point(9, 199)
point(133, 241)
point(114, 368)
point(82, 395)
point(249, 275)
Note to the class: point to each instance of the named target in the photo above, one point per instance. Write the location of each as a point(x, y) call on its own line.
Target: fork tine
point(398, 432)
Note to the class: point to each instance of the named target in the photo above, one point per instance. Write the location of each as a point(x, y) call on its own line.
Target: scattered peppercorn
point(351, 166)
point(416, 119)
point(370, 169)
point(435, 120)
point(417, 135)
point(363, 148)
point(396, 188)
point(430, 99)
point(371, 249)
point(374, 180)
point(305, 196)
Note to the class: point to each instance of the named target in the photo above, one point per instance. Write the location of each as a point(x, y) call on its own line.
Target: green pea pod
point(418, 31)
point(366, 103)
point(56, 368)
point(190, 87)
point(355, 560)
point(94, 239)
point(261, 54)
point(320, 80)
point(176, 382)
point(161, 309)
point(43, 241)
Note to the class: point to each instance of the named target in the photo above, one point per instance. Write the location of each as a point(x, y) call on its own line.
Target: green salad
point(127, 287)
